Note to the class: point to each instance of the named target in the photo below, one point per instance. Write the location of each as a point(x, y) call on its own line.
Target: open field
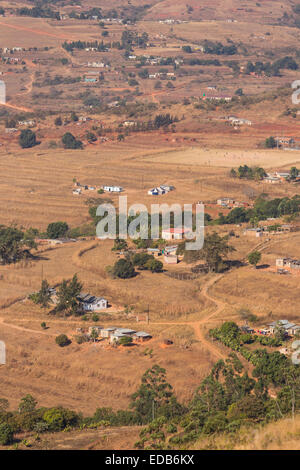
point(36, 186)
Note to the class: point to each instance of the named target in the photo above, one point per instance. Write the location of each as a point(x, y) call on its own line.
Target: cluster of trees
point(38, 12)
point(214, 251)
point(193, 61)
point(129, 13)
point(67, 294)
point(125, 268)
point(129, 39)
point(270, 368)
point(225, 400)
point(272, 69)
point(98, 45)
point(249, 173)
point(57, 80)
point(217, 48)
point(15, 244)
point(144, 261)
point(263, 209)
point(164, 120)
point(30, 418)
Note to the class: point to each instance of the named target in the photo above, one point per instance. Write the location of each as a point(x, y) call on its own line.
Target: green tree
point(94, 334)
point(27, 139)
point(67, 296)
point(62, 340)
point(43, 296)
point(270, 143)
point(14, 244)
point(279, 332)
point(58, 121)
point(123, 269)
point(294, 172)
point(27, 404)
point(6, 434)
point(74, 117)
point(154, 265)
point(70, 142)
point(215, 248)
point(57, 230)
point(153, 394)
point(254, 258)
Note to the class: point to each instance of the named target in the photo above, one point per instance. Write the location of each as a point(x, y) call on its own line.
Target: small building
point(120, 333)
point(90, 303)
point(253, 232)
point(113, 189)
point(141, 336)
point(288, 264)
point(225, 202)
point(156, 191)
point(272, 180)
point(96, 328)
point(129, 123)
point(170, 249)
point(126, 331)
point(116, 336)
point(29, 123)
point(174, 233)
point(154, 251)
point(246, 329)
point(170, 259)
point(77, 191)
point(290, 328)
point(107, 332)
point(167, 187)
point(216, 97)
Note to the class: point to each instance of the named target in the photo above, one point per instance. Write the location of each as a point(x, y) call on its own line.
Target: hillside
point(282, 435)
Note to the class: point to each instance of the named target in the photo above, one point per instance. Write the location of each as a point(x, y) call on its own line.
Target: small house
point(113, 189)
point(174, 233)
point(107, 332)
point(90, 303)
point(96, 328)
point(77, 191)
point(170, 259)
point(141, 336)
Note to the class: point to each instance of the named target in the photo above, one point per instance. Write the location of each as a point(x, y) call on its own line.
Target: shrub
point(125, 341)
point(27, 139)
point(62, 340)
point(6, 434)
point(123, 269)
point(57, 229)
point(70, 142)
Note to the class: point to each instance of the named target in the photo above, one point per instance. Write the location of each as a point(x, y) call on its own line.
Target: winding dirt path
point(198, 326)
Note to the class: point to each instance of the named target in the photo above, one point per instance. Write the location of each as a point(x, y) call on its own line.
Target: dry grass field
point(36, 186)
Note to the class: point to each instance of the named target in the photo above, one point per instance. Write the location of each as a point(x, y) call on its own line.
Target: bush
point(125, 341)
point(59, 418)
point(123, 269)
point(154, 266)
point(70, 142)
point(27, 139)
point(57, 229)
point(62, 340)
point(6, 434)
